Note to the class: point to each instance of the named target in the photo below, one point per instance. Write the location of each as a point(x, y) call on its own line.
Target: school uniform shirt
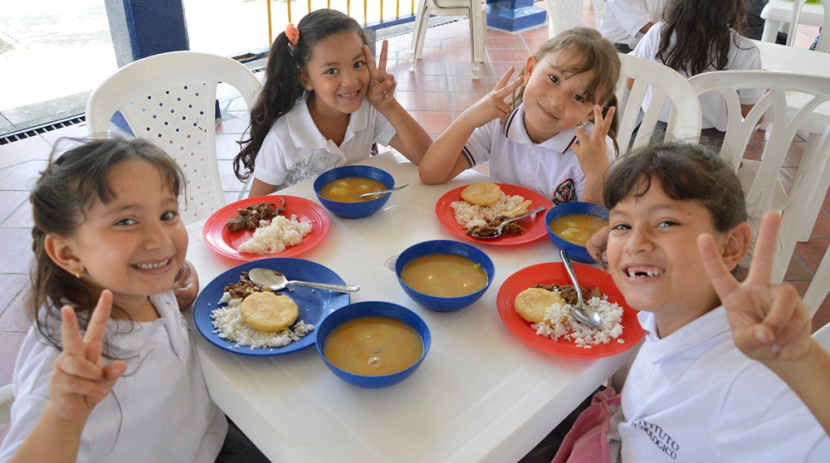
point(622, 20)
point(550, 168)
point(694, 397)
point(158, 411)
point(294, 149)
point(743, 56)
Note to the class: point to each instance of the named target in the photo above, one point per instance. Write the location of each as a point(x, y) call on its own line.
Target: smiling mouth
point(152, 265)
point(547, 113)
point(349, 95)
point(643, 271)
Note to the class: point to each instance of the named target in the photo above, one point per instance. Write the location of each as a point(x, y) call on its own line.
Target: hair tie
point(293, 34)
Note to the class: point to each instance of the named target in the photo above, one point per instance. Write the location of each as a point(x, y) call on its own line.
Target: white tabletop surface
point(481, 394)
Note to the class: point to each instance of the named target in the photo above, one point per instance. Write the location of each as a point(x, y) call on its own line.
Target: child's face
point(654, 259)
point(135, 244)
point(554, 100)
point(337, 72)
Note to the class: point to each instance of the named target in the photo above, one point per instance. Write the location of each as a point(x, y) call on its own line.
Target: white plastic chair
point(599, 7)
point(563, 15)
point(684, 119)
point(476, 10)
point(824, 40)
point(822, 337)
point(761, 179)
point(6, 401)
point(819, 289)
point(169, 99)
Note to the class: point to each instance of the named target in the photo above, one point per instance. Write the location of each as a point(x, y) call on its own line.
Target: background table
point(480, 395)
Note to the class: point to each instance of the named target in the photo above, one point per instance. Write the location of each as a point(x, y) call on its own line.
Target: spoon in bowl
point(276, 281)
point(581, 311)
point(491, 233)
point(384, 191)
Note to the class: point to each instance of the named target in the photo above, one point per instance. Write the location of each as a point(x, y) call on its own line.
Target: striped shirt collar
point(514, 130)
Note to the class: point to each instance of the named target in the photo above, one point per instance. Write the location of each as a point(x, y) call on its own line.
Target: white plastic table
point(780, 11)
point(481, 394)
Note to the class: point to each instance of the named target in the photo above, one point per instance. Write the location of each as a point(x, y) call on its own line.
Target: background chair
point(599, 8)
point(476, 10)
point(819, 289)
point(795, 12)
point(563, 15)
point(822, 336)
point(760, 179)
point(169, 99)
point(824, 41)
point(684, 120)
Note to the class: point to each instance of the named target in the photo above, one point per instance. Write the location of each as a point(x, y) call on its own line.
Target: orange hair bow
point(293, 34)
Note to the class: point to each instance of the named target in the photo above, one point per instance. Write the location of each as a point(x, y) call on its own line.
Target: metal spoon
point(500, 228)
point(276, 281)
point(383, 192)
point(581, 311)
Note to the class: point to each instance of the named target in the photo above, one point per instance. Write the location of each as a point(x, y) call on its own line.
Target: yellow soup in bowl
point(347, 190)
point(373, 346)
point(444, 275)
point(577, 228)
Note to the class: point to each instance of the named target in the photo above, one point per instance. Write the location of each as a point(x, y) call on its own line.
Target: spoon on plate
point(581, 311)
point(276, 281)
point(378, 193)
point(496, 232)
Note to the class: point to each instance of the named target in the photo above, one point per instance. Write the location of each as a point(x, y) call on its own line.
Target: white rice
point(470, 215)
point(559, 323)
point(276, 236)
point(229, 325)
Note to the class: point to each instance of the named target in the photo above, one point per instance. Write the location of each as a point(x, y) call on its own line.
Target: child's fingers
point(502, 94)
point(113, 371)
point(73, 343)
point(369, 61)
point(504, 79)
point(80, 386)
point(722, 281)
point(382, 61)
point(97, 327)
point(760, 270)
point(606, 121)
point(78, 366)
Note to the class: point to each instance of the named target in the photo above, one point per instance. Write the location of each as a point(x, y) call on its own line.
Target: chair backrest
point(684, 120)
point(762, 189)
point(563, 15)
point(169, 99)
point(599, 7)
point(824, 40)
point(822, 336)
point(819, 289)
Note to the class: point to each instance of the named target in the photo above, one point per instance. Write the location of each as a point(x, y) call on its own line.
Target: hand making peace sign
point(492, 106)
point(381, 83)
point(769, 322)
point(590, 148)
point(79, 378)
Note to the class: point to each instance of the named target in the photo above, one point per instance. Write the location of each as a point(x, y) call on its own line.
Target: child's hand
point(597, 245)
point(769, 322)
point(591, 149)
point(80, 379)
point(381, 84)
point(492, 106)
point(186, 286)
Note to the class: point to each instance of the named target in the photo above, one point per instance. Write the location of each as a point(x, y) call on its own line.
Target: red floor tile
point(23, 150)
point(796, 271)
point(420, 83)
point(822, 226)
point(483, 84)
point(22, 217)
point(16, 317)
point(432, 122)
point(426, 66)
point(494, 43)
point(813, 251)
point(9, 202)
point(423, 101)
point(462, 101)
point(511, 56)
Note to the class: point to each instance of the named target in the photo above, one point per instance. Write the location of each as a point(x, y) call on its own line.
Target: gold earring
point(580, 124)
point(78, 274)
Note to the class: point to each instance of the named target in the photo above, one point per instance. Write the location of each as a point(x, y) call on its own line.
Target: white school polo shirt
point(622, 19)
point(550, 168)
point(743, 56)
point(694, 397)
point(163, 412)
point(294, 149)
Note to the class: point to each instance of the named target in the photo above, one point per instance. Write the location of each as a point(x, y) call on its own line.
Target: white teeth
point(348, 95)
point(152, 266)
point(644, 274)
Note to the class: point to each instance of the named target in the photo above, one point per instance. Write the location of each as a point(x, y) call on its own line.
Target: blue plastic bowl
point(372, 309)
point(575, 251)
point(445, 304)
point(354, 210)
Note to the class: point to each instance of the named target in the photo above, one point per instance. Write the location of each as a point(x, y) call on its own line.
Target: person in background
point(324, 104)
point(624, 22)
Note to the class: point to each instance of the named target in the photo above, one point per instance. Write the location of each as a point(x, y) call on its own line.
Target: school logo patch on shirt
point(565, 193)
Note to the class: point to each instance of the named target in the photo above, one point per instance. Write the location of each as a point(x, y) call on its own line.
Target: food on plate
point(577, 228)
point(557, 321)
point(481, 193)
point(230, 324)
point(532, 304)
point(276, 236)
point(348, 190)
point(268, 312)
point(444, 275)
point(251, 217)
point(483, 218)
point(373, 346)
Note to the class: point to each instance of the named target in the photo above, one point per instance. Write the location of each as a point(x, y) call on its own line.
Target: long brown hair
point(282, 87)
point(703, 35)
point(599, 56)
point(63, 195)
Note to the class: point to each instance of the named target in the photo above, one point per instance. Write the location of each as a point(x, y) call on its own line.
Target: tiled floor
point(438, 91)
